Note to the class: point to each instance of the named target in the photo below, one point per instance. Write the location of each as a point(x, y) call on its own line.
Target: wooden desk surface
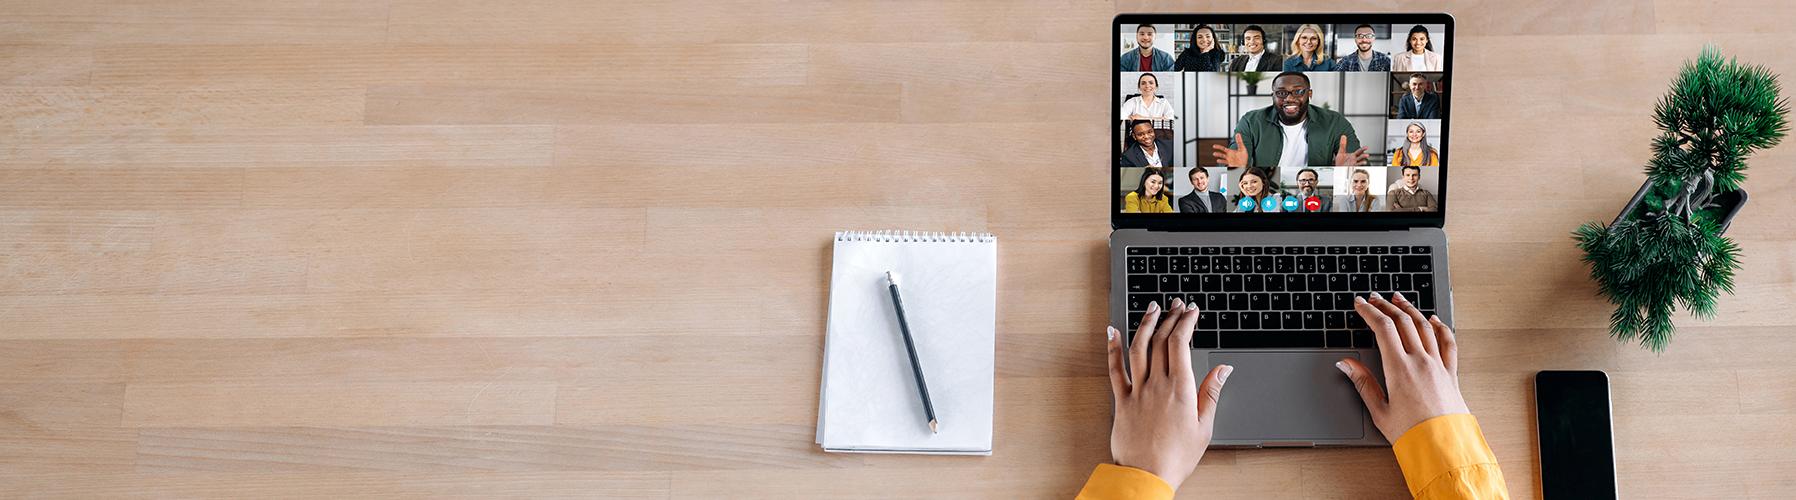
point(571, 248)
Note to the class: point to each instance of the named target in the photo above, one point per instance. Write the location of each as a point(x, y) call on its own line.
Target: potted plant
point(1252, 79)
point(1666, 248)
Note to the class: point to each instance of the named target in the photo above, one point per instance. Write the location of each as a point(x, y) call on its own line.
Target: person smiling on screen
point(1420, 103)
point(1204, 55)
point(1202, 199)
point(1146, 149)
point(1408, 195)
point(1145, 57)
point(1147, 106)
point(1359, 197)
point(1365, 59)
point(1291, 132)
point(1420, 56)
point(1151, 196)
point(1308, 53)
point(1307, 187)
point(1255, 186)
point(1416, 151)
point(1253, 56)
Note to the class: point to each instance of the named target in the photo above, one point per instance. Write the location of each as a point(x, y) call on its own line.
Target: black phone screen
point(1577, 447)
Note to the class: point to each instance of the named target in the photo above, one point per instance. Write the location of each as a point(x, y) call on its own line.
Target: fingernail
point(1222, 377)
point(1110, 333)
point(1153, 306)
point(1190, 306)
point(1359, 300)
point(1342, 366)
point(1375, 295)
point(1399, 296)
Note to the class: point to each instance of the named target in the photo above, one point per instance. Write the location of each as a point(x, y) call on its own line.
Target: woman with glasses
point(1308, 52)
point(1359, 197)
point(1204, 55)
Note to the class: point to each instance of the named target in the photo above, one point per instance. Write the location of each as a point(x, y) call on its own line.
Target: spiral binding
point(915, 236)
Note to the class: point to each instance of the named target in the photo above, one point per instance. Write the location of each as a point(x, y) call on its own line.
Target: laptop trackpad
point(1290, 396)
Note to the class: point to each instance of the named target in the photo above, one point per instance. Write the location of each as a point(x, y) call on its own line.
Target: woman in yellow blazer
point(1151, 196)
point(1164, 417)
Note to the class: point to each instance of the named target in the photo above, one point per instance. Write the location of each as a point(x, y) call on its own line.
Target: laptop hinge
point(1288, 444)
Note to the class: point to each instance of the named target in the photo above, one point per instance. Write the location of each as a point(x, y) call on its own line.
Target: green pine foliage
point(1669, 252)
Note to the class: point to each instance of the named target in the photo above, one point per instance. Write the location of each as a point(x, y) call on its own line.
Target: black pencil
point(910, 346)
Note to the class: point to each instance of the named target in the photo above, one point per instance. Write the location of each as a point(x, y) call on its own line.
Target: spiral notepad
point(869, 402)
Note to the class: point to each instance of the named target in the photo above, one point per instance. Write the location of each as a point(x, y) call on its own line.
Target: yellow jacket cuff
point(1116, 481)
point(1448, 453)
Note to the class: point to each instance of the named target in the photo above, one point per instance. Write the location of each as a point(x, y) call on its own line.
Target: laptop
point(1270, 168)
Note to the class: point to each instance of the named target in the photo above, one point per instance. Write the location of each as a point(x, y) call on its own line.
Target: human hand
point(1233, 157)
point(1345, 158)
point(1163, 422)
point(1421, 366)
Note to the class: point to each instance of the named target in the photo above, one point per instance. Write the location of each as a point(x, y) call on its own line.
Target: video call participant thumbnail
point(1148, 105)
point(1416, 151)
point(1145, 148)
point(1204, 55)
point(1420, 56)
point(1309, 194)
point(1421, 103)
point(1253, 56)
point(1308, 52)
point(1256, 192)
point(1365, 59)
point(1359, 197)
point(1202, 199)
point(1291, 132)
point(1152, 195)
point(1407, 195)
point(1145, 57)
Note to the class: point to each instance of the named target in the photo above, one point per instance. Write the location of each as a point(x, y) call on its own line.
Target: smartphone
point(1577, 440)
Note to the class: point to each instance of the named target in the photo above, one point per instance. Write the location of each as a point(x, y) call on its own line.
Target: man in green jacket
point(1291, 132)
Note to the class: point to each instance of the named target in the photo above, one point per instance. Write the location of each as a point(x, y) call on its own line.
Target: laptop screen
point(1277, 116)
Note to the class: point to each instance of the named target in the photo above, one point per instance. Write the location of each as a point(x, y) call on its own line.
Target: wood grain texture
point(456, 248)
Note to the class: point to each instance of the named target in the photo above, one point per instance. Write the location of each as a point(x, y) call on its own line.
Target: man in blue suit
point(1420, 103)
point(1147, 58)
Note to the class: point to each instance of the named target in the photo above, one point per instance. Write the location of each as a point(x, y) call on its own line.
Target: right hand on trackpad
point(1421, 366)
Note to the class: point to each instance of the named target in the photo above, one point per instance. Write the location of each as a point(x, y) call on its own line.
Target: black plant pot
point(1730, 203)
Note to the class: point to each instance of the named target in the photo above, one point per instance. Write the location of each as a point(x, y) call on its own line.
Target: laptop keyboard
point(1277, 297)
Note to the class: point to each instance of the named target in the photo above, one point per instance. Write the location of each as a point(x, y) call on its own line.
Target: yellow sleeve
point(1116, 481)
point(1445, 457)
point(1131, 204)
point(1159, 206)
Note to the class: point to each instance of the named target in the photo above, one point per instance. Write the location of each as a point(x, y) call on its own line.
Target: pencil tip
point(933, 429)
